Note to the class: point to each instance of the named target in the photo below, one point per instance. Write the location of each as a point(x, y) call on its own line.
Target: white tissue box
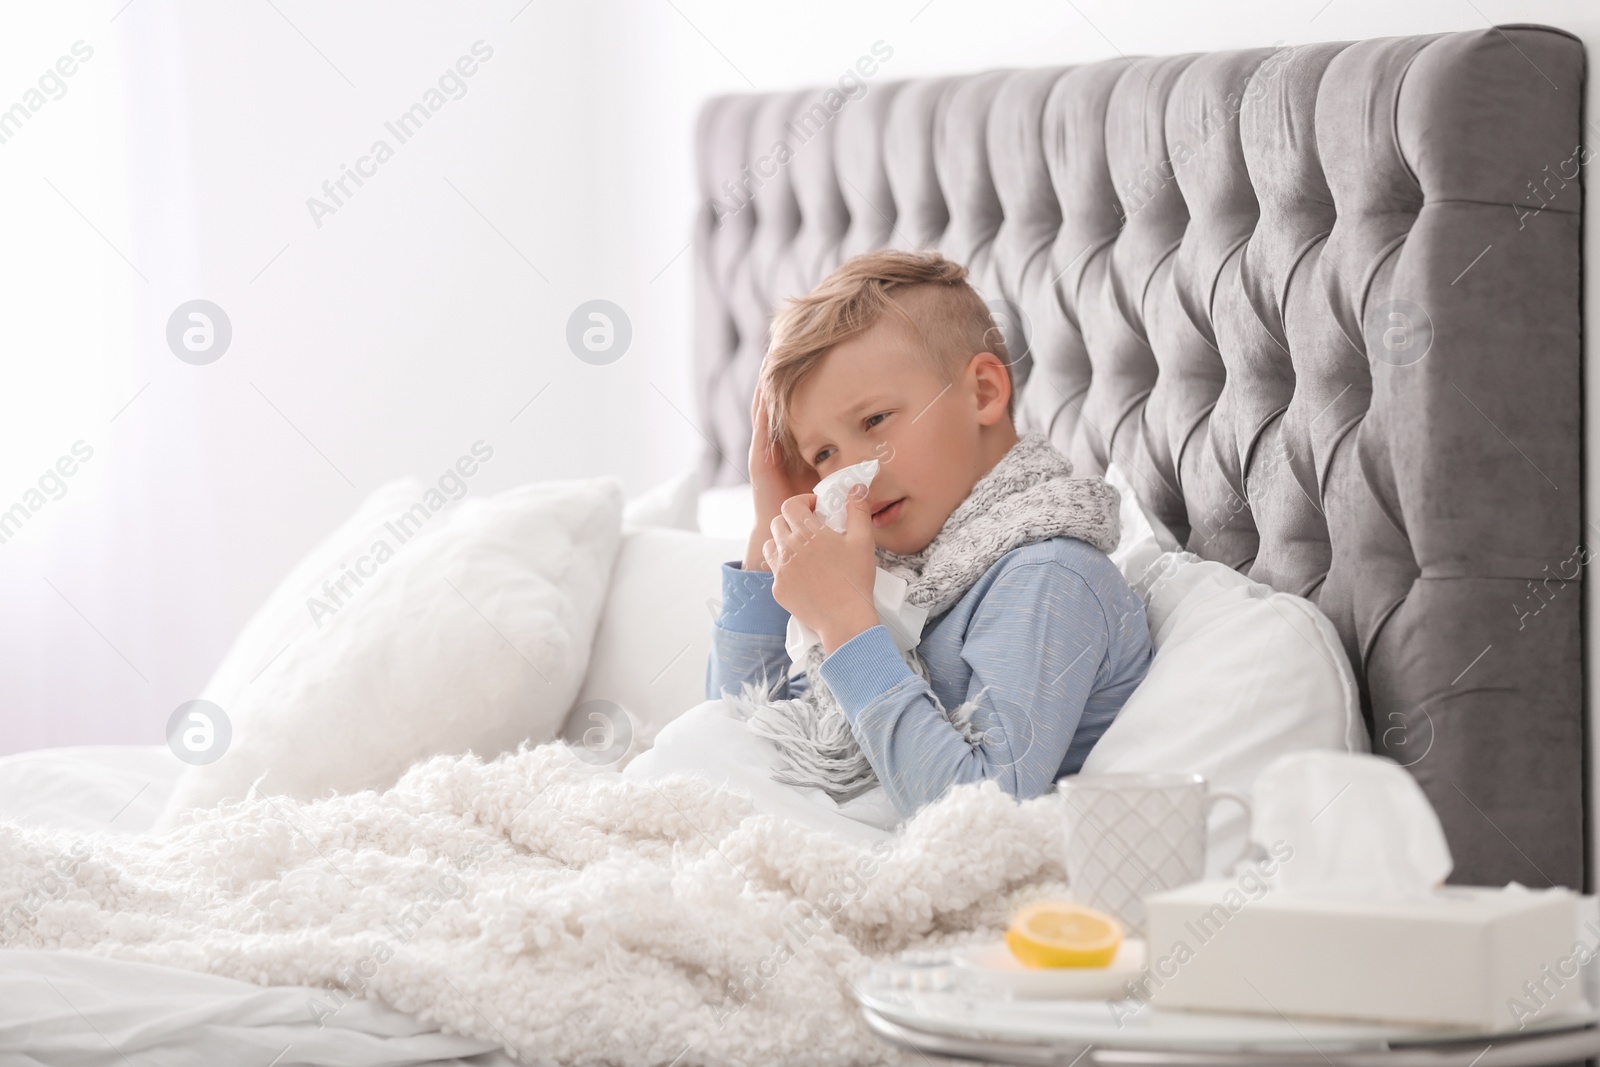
point(1487, 959)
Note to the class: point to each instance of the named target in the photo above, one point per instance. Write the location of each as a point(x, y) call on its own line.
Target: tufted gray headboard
point(1320, 302)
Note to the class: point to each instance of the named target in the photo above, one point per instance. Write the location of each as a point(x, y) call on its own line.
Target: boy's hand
point(771, 483)
point(822, 577)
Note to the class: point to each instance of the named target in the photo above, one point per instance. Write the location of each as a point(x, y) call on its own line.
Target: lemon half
point(1052, 933)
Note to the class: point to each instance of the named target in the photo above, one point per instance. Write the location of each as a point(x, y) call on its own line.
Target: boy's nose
point(850, 459)
point(850, 455)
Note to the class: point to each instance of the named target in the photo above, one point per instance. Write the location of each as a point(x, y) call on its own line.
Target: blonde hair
point(952, 324)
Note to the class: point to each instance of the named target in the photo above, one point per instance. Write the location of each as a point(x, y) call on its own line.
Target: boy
point(895, 357)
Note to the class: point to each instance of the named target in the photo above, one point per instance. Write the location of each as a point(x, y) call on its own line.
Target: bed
point(1321, 304)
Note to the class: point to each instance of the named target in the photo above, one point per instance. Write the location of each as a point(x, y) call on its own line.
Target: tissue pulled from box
point(1360, 827)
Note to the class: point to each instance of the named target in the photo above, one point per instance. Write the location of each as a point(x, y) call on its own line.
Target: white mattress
point(64, 1007)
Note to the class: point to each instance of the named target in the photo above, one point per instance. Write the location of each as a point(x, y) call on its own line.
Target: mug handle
point(1215, 795)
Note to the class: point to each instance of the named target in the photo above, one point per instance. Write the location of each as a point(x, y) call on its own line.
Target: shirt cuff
point(747, 603)
point(864, 668)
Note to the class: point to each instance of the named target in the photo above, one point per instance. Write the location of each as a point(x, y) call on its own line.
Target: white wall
point(405, 327)
point(383, 342)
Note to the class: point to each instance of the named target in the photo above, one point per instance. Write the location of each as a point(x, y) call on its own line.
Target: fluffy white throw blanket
point(572, 913)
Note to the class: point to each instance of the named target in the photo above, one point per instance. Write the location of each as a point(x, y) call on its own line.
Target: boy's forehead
point(883, 354)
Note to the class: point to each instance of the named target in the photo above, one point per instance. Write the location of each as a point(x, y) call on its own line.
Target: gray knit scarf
point(1028, 496)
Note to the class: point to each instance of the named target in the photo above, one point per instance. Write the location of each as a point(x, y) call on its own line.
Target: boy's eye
point(869, 422)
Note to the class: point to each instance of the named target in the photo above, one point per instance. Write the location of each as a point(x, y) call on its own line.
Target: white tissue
point(833, 492)
point(1359, 826)
point(903, 621)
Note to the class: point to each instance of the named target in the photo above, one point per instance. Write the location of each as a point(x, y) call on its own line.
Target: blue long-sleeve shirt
point(1051, 635)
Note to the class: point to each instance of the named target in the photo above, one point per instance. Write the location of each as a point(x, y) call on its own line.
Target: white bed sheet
point(68, 1008)
point(117, 789)
point(61, 1008)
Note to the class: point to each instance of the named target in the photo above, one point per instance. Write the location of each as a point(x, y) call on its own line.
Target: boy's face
point(876, 396)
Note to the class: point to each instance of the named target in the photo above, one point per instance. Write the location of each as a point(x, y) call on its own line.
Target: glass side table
point(925, 1002)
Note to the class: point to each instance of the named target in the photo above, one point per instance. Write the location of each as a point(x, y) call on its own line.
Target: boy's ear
point(991, 386)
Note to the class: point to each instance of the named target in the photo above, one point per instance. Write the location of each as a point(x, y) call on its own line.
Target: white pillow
point(727, 511)
point(648, 664)
point(1144, 537)
point(673, 503)
point(1242, 674)
point(284, 616)
point(474, 636)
